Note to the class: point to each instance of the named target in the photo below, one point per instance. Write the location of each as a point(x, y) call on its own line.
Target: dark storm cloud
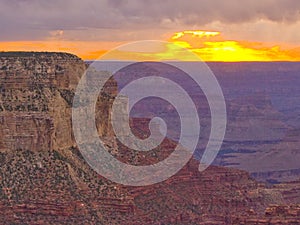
point(29, 19)
point(204, 11)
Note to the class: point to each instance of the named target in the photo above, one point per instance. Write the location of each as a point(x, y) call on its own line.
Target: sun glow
point(211, 46)
point(85, 50)
point(195, 33)
point(208, 45)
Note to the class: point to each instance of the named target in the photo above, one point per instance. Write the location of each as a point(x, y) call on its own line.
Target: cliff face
point(36, 99)
point(45, 180)
point(36, 95)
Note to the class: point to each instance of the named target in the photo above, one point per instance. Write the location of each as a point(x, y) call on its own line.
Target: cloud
point(33, 19)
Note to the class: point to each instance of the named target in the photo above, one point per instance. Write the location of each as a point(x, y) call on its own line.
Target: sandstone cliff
point(36, 100)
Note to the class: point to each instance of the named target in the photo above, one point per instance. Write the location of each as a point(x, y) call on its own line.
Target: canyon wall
point(36, 99)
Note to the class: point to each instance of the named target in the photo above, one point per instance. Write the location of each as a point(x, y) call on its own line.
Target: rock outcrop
point(36, 99)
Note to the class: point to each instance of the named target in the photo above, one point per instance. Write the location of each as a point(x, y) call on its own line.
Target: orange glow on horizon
point(85, 50)
point(208, 45)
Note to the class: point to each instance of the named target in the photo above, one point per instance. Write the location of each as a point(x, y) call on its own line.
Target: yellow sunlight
point(208, 45)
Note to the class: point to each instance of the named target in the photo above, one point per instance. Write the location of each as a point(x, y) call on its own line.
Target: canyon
point(45, 180)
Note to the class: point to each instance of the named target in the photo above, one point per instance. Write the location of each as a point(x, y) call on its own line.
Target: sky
point(216, 30)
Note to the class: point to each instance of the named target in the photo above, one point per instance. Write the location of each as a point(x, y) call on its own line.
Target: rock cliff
point(36, 100)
